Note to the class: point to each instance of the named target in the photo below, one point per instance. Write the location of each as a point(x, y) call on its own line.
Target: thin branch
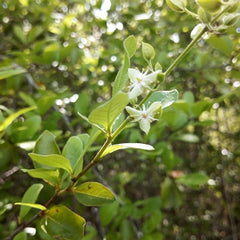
point(8, 174)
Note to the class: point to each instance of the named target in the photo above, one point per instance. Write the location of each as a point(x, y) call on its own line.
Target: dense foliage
point(58, 65)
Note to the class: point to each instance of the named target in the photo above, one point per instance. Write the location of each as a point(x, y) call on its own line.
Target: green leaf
point(45, 102)
point(21, 236)
point(108, 212)
point(93, 194)
point(29, 127)
point(63, 224)
point(47, 175)
point(53, 160)
point(7, 72)
point(152, 223)
point(46, 144)
point(31, 205)
point(171, 196)
point(199, 107)
point(13, 116)
point(130, 46)
point(30, 196)
point(147, 51)
point(120, 146)
point(106, 114)
point(82, 104)
point(194, 180)
point(73, 151)
point(165, 97)
point(27, 99)
point(19, 33)
point(223, 44)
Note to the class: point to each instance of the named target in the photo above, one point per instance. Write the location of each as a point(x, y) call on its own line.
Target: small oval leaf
point(63, 224)
point(93, 194)
point(53, 160)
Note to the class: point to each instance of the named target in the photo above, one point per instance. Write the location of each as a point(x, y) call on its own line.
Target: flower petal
point(145, 125)
point(133, 74)
point(155, 107)
point(136, 91)
point(150, 78)
point(133, 112)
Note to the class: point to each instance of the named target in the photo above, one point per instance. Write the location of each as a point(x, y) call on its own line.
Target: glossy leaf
point(46, 144)
point(47, 175)
point(13, 116)
point(7, 72)
point(93, 194)
point(30, 196)
point(53, 160)
point(105, 114)
point(120, 146)
point(130, 45)
point(63, 224)
point(31, 205)
point(165, 97)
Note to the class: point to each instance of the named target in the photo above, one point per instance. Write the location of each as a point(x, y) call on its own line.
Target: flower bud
point(177, 5)
point(231, 19)
point(210, 5)
point(197, 30)
point(204, 16)
point(148, 51)
point(234, 7)
point(158, 66)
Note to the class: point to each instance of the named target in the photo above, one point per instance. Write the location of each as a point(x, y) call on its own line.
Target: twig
point(8, 174)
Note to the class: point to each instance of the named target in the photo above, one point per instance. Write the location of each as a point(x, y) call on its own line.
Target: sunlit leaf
point(31, 205)
point(93, 194)
point(120, 146)
point(53, 160)
point(13, 116)
point(48, 175)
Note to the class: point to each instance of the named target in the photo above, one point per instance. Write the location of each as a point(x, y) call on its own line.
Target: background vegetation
point(63, 56)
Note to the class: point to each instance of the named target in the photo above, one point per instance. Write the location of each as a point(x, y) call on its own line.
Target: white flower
point(145, 116)
point(140, 81)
